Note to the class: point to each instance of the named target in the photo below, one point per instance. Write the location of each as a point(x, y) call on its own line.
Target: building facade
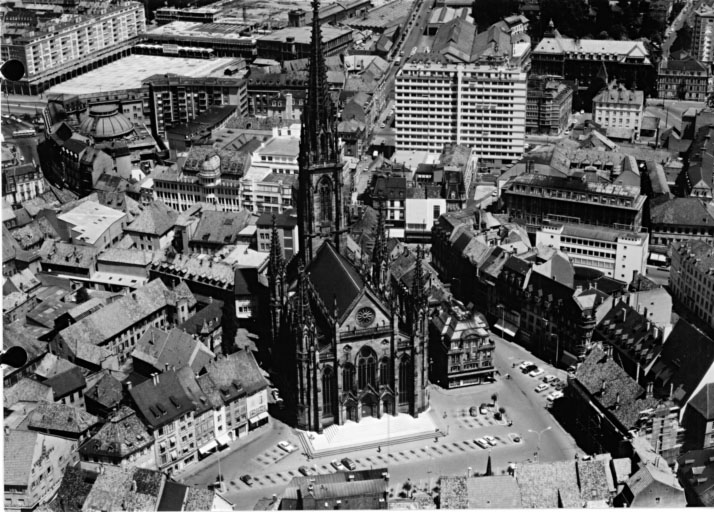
point(481, 105)
point(619, 111)
point(74, 47)
point(549, 105)
point(692, 278)
point(682, 77)
point(703, 34)
point(618, 254)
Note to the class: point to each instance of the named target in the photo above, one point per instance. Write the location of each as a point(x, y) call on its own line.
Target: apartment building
point(549, 105)
point(71, 47)
point(531, 199)
point(703, 34)
point(168, 412)
point(615, 253)
point(480, 105)
point(682, 77)
point(692, 277)
point(619, 111)
point(119, 325)
point(175, 100)
point(286, 224)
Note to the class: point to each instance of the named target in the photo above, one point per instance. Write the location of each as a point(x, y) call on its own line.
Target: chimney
point(133, 486)
point(617, 400)
point(128, 385)
point(603, 387)
point(635, 273)
point(650, 388)
point(624, 314)
point(671, 390)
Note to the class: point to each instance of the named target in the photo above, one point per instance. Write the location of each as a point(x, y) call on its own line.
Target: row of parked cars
point(547, 381)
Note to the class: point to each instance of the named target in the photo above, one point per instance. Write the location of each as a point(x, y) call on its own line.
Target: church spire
point(276, 263)
point(418, 291)
point(379, 251)
point(304, 312)
point(276, 278)
point(319, 136)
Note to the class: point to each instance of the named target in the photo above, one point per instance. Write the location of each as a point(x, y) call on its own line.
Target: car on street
point(473, 411)
point(287, 446)
point(541, 387)
point(525, 364)
point(482, 443)
point(514, 437)
point(247, 479)
point(554, 396)
point(560, 385)
point(306, 470)
point(483, 408)
point(537, 372)
point(530, 368)
point(490, 440)
point(349, 464)
point(549, 378)
point(337, 465)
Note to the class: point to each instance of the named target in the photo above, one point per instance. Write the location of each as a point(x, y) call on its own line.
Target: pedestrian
point(379, 449)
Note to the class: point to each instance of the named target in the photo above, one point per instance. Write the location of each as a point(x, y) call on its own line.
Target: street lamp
point(539, 433)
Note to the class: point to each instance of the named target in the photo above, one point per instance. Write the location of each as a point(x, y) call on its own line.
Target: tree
point(494, 398)
point(489, 471)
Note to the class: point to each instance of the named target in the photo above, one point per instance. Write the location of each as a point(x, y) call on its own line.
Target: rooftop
point(161, 401)
point(175, 348)
point(220, 228)
point(682, 211)
point(303, 35)
point(595, 47)
point(119, 437)
point(549, 485)
point(90, 220)
point(129, 72)
point(60, 418)
point(155, 219)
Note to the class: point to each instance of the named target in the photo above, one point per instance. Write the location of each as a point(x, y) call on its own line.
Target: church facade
point(344, 348)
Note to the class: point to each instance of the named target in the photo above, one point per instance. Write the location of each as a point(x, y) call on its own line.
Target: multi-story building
point(286, 224)
point(175, 100)
point(680, 219)
point(292, 43)
point(475, 97)
point(692, 278)
point(582, 60)
point(198, 38)
point(119, 325)
point(21, 182)
point(698, 175)
point(92, 224)
point(34, 466)
point(531, 199)
point(70, 48)
point(681, 76)
point(168, 412)
point(703, 34)
point(205, 14)
point(549, 104)
point(479, 104)
point(619, 111)
point(461, 348)
point(617, 254)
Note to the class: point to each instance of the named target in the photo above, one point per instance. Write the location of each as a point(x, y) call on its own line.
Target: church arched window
point(325, 195)
point(385, 372)
point(348, 377)
point(406, 380)
point(366, 368)
point(328, 389)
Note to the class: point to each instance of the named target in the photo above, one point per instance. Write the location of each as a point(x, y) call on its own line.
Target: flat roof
point(303, 35)
point(91, 220)
point(281, 146)
point(197, 29)
point(129, 72)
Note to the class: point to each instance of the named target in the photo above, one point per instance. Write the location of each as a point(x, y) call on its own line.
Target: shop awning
point(658, 257)
point(223, 440)
point(506, 327)
point(260, 417)
point(162, 444)
point(203, 450)
point(174, 454)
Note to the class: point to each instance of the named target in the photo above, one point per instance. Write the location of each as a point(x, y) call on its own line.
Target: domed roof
point(211, 167)
point(105, 122)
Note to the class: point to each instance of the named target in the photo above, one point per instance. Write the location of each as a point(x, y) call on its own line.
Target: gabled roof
point(107, 391)
point(27, 390)
point(493, 492)
point(119, 437)
point(174, 349)
point(220, 227)
point(335, 280)
point(240, 368)
point(67, 382)
point(155, 219)
point(60, 418)
point(549, 485)
point(129, 488)
point(23, 449)
point(161, 402)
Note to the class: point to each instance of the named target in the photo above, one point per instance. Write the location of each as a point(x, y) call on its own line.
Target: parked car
point(537, 372)
point(554, 396)
point(525, 364)
point(482, 443)
point(541, 387)
point(337, 465)
point(483, 408)
point(529, 369)
point(473, 411)
point(349, 464)
point(549, 379)
point(247, 479)
point(490, 440)
point(306, 470)
point(560, 385)
point(288, 447)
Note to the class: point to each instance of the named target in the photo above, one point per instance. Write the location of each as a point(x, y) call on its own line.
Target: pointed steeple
point(276, 263)
point(379, 251)
point(319, 135)
point(304, 311)
point(418, 292)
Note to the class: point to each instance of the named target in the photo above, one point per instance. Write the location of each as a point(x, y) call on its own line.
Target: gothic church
point(342, 345)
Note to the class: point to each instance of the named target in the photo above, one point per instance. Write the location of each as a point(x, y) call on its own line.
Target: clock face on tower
point(365, 316)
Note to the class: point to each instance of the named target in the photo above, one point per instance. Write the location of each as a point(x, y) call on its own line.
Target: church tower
point(319, 191)
point(277, 282)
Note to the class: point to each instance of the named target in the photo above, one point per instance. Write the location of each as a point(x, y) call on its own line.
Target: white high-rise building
point(467, 89)
point(703, 34)
point(480, 105)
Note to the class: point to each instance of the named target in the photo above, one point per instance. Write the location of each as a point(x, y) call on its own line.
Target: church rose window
point(365, 317)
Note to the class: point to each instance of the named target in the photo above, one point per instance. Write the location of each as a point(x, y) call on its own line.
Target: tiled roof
point(19, 455)
point(172, 497)
point(51, 365)
point(189, 382)
point(649, 474)
point(549, 485)
point(592, 476)
point(119, 315)
point(220, 227)
point(696, 471)
point(681, 211)
point(15, 334)
point(163, 402)
point(175, 348)
point(60, 417)
point(206, 320)
point(247, 282)
point(453, 492)
point(493, 492)
point(703, 401)
point(72, 492)
point(107, 391)
point(129, 256)
point(119, 437)
point(334, 278)
point(337, 485)
point(193, 267)
point(155, 219)
point(238, 371)
point(67, 382)
point(199, 498)
point(63, 253)
point(127, 488)
point(27, 390)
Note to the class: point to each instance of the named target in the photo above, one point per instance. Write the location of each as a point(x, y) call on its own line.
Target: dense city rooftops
point(612, 49)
